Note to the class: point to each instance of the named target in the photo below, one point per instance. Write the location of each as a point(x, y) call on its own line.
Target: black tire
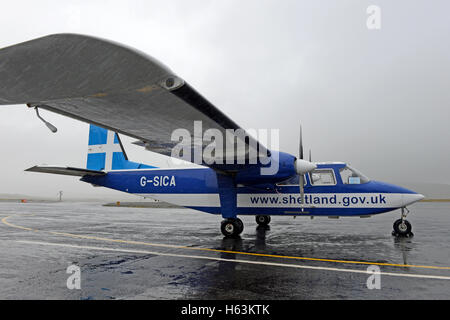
point(241, 225)
point(402, 229)
point(262, 220)
point(231, 227)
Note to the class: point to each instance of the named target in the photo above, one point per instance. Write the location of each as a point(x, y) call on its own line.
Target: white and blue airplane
point(119, 90)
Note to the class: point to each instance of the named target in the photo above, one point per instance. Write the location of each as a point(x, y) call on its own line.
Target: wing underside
point(112, 86)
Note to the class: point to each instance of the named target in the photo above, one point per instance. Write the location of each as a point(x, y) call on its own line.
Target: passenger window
point(322, 177)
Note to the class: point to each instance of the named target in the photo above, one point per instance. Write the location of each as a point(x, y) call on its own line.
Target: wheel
point(241, 225)
point(231, 227)
point(263, 220)
point(402, 228)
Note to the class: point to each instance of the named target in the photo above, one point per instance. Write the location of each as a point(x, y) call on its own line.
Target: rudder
point(106, 152)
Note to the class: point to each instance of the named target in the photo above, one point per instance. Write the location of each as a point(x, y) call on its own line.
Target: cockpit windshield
point(350, 175)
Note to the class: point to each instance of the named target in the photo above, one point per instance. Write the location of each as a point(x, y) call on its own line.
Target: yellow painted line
point(13, 225)
point(4, 221)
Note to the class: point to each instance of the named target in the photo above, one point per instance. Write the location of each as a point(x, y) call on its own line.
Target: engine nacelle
point(280, 167)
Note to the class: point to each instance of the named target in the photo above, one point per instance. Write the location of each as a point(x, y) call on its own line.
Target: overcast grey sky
point(378, 99)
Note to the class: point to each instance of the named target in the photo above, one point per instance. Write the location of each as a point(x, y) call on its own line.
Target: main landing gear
point(232, 227)
point(402, 227)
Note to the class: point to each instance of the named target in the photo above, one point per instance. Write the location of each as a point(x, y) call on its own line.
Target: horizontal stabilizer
point(68, 171)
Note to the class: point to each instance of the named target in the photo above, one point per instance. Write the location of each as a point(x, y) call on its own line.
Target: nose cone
point(410, 198)
point(401, 197)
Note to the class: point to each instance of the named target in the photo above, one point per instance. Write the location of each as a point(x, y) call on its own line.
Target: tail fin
point(106, 152)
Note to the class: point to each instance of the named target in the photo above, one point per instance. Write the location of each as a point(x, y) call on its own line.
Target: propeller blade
point(302, 167)
point(302, 190)
point(301, 144)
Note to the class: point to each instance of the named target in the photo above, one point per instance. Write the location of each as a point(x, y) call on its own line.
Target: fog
point(378, 99)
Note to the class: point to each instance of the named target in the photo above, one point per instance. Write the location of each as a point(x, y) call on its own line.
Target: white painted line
point(394, 274)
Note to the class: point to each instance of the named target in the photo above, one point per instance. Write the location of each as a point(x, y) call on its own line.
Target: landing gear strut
point(402, 227)
point(232, 227)
point(263, 220)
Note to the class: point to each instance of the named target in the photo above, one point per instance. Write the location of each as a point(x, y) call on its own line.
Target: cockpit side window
point(322, 177)
point(350, 175)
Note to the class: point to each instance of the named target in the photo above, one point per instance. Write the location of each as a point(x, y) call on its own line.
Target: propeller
point(302, 167)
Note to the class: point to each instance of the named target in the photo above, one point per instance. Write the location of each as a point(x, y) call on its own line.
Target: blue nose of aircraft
point(407, 197)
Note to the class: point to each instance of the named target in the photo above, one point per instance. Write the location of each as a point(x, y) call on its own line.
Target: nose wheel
point(232, 227)
point(402, 227)
point(262, 220)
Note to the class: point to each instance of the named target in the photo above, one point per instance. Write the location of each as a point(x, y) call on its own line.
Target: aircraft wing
point(111, 86)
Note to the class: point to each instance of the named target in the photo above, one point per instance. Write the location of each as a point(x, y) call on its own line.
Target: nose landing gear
point(402, 227)
point(263, 220)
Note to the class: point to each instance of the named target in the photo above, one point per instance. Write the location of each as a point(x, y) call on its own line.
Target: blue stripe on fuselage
point(198, 180)
point(204, 180)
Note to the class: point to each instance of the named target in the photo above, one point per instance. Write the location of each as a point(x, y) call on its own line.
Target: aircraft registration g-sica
point(120, 90)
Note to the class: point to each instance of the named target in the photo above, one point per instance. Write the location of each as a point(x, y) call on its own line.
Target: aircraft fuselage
point(197, 188)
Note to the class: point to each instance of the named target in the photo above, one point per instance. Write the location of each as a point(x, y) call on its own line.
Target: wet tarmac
point(134, 253)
